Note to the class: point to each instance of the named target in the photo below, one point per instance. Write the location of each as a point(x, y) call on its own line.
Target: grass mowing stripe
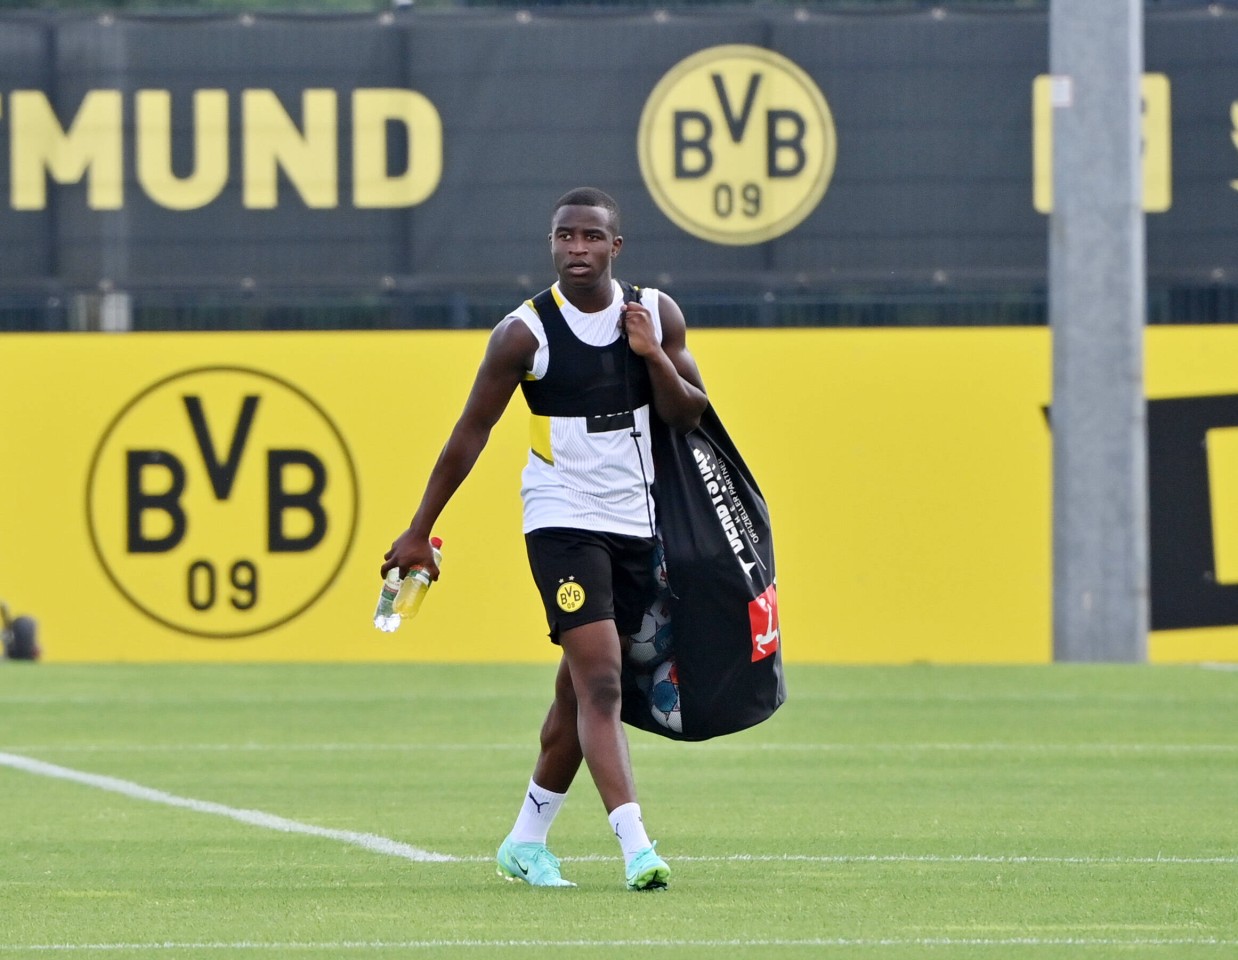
point(251, 747)
point(904, 858)
point(257, 818)
point(354, 945)
point(1099, 697)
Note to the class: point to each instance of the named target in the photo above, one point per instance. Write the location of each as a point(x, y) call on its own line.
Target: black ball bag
point(725, 641)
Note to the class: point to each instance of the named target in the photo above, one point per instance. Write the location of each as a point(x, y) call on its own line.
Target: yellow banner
point(229, 497)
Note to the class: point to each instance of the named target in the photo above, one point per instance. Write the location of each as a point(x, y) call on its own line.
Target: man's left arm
point(678, 392)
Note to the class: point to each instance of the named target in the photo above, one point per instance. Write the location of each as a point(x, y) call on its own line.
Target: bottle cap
point(436, 542)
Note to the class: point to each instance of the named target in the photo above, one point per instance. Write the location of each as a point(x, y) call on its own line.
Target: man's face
point(582, 245)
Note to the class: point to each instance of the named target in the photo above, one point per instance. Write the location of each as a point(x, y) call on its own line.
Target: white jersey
point(582, 479)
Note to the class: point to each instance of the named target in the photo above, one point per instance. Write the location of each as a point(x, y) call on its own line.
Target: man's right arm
point(509, 355)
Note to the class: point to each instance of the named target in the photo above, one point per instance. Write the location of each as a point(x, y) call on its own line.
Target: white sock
point(537, 813)
point(630, 829)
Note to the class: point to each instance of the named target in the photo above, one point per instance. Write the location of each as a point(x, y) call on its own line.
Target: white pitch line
point(945, 858)
point(396, 848)
point(257, 818)
point(860, 942)
point(916, 858)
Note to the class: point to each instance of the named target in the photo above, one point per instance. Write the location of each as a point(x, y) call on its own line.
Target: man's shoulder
point(527, 310)
point(520, 319)
point(525, 313)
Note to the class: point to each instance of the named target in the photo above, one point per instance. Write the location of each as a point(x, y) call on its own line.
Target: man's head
point(584, 238)
point(590, 197)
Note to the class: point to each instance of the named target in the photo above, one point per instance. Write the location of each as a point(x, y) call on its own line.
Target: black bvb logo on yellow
point(222, 501)
point(570, 597)
point(737, 144)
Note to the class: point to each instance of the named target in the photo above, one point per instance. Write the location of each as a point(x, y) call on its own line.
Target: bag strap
point(631, 292)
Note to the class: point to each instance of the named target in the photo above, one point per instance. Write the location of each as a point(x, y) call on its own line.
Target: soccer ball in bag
point(664, 697)
point(651, 644)
point(659, 567)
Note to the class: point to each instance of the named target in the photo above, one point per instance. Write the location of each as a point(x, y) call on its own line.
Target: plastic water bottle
point(417, 584)
point(385, 617)
point(400, 599)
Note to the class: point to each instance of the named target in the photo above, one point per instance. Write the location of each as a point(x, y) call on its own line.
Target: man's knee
point(592, 651)
point(599, 691)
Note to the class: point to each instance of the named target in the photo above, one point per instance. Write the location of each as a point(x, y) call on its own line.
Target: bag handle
point(631, 294)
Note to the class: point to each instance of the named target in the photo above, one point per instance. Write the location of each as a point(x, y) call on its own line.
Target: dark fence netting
point(775, 164)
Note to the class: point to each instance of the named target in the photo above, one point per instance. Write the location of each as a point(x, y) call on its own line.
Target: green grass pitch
point(902, 812)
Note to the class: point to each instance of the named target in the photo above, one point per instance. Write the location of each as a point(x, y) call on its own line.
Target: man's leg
point(523, 855)
point(560, 755)
point(594, 657)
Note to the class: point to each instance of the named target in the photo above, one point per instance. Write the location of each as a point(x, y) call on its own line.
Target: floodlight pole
point(1097, 310)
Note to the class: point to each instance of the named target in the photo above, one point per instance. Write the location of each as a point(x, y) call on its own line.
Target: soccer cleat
point(530, 862)
point(648, 871)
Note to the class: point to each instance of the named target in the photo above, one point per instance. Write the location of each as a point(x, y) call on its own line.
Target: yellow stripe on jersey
point(539, 438)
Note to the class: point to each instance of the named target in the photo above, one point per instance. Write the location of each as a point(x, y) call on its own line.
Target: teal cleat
point(530, 862)
point(648, 871)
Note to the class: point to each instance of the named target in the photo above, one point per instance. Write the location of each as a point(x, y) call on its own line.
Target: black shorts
point(584, 576)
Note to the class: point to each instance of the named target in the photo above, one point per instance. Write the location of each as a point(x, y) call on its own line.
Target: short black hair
point(590, 197)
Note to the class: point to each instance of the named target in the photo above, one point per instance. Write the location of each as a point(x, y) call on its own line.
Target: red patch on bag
point(763, 617)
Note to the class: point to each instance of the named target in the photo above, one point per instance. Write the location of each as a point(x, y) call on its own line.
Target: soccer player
point(591, 367)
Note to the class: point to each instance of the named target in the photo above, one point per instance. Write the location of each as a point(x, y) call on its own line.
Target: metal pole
point(1097, 312)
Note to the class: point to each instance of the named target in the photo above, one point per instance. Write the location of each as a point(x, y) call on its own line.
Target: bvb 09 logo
point(737, 144)
point(222, 502)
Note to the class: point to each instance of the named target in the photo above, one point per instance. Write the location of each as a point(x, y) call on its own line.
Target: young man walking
point(592, 368)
